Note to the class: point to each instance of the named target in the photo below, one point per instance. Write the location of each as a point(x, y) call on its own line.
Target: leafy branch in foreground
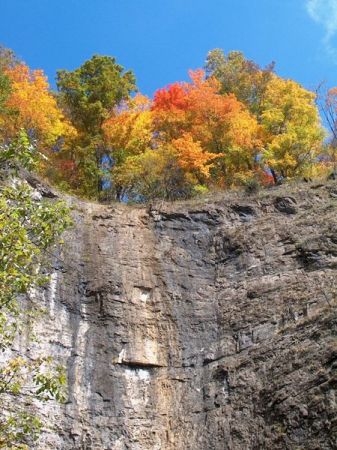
point(28, 226)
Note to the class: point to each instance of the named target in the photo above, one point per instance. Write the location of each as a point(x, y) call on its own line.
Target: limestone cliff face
point(196, 326)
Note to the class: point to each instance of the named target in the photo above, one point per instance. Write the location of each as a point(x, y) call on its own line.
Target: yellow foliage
point(33, 106)
point(191, 157)
point(292, 125)
point(130, 130)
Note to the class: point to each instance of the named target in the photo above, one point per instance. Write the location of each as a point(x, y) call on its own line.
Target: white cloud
point(324, 12)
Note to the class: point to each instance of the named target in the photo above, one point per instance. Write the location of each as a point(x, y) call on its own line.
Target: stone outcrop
point(202, 325)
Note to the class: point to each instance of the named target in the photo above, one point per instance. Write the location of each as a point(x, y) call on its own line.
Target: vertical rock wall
point(196, 326)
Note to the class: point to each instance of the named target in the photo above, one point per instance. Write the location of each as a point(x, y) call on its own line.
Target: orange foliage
point(191, 156)
point(217, 121)
point(174, 97)
point(211, 135)
point(34, 105)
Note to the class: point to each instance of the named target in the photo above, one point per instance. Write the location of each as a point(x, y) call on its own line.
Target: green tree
point(90, 92)
point(239, 76)
point(7, 60)
point(5, 90)
point(88, 96)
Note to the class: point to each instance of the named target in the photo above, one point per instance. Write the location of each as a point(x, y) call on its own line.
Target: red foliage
point(67, 165)
point(266, 178)
point(171, 98)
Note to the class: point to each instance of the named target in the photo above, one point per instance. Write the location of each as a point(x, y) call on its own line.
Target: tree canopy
point(90, 92)
point(230, 123)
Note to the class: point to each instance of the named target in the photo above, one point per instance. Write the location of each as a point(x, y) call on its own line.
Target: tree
point(27, 228)
point(32, 107)
point(327, 103)
point(195, 133)
point(192, 158)
point(129, 130)
point(218, 121)
point(89, 96)
point(239, 76)
point(155, 173)
point(293, 128)
point(90, 92)
point(290, 131)
point(221, 124)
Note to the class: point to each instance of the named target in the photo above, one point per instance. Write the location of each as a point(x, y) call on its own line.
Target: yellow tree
point(33, 106)
point(292, 125)
point(151, 174)
point(129, 130)
point(170, 171)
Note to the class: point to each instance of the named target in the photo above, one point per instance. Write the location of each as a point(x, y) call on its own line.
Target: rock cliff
point(195, 326)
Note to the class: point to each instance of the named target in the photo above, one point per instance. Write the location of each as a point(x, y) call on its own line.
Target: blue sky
point(161, 39)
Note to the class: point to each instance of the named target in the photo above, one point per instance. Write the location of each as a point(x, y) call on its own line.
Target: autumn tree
point(169, 171)
point(170, 106)
point(192, 158)
point(128, 132)
point(240, 76)
point(220, 123)
point(129, 129)
point(26, 103)
point(294, 133)
point(192, 132)
point(32, 106)
point(290, 133)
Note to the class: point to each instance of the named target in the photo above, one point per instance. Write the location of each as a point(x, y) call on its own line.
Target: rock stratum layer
point(196, 326)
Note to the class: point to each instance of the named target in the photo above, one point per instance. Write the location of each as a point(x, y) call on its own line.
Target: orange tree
point(220, 123)
point(33, 106)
